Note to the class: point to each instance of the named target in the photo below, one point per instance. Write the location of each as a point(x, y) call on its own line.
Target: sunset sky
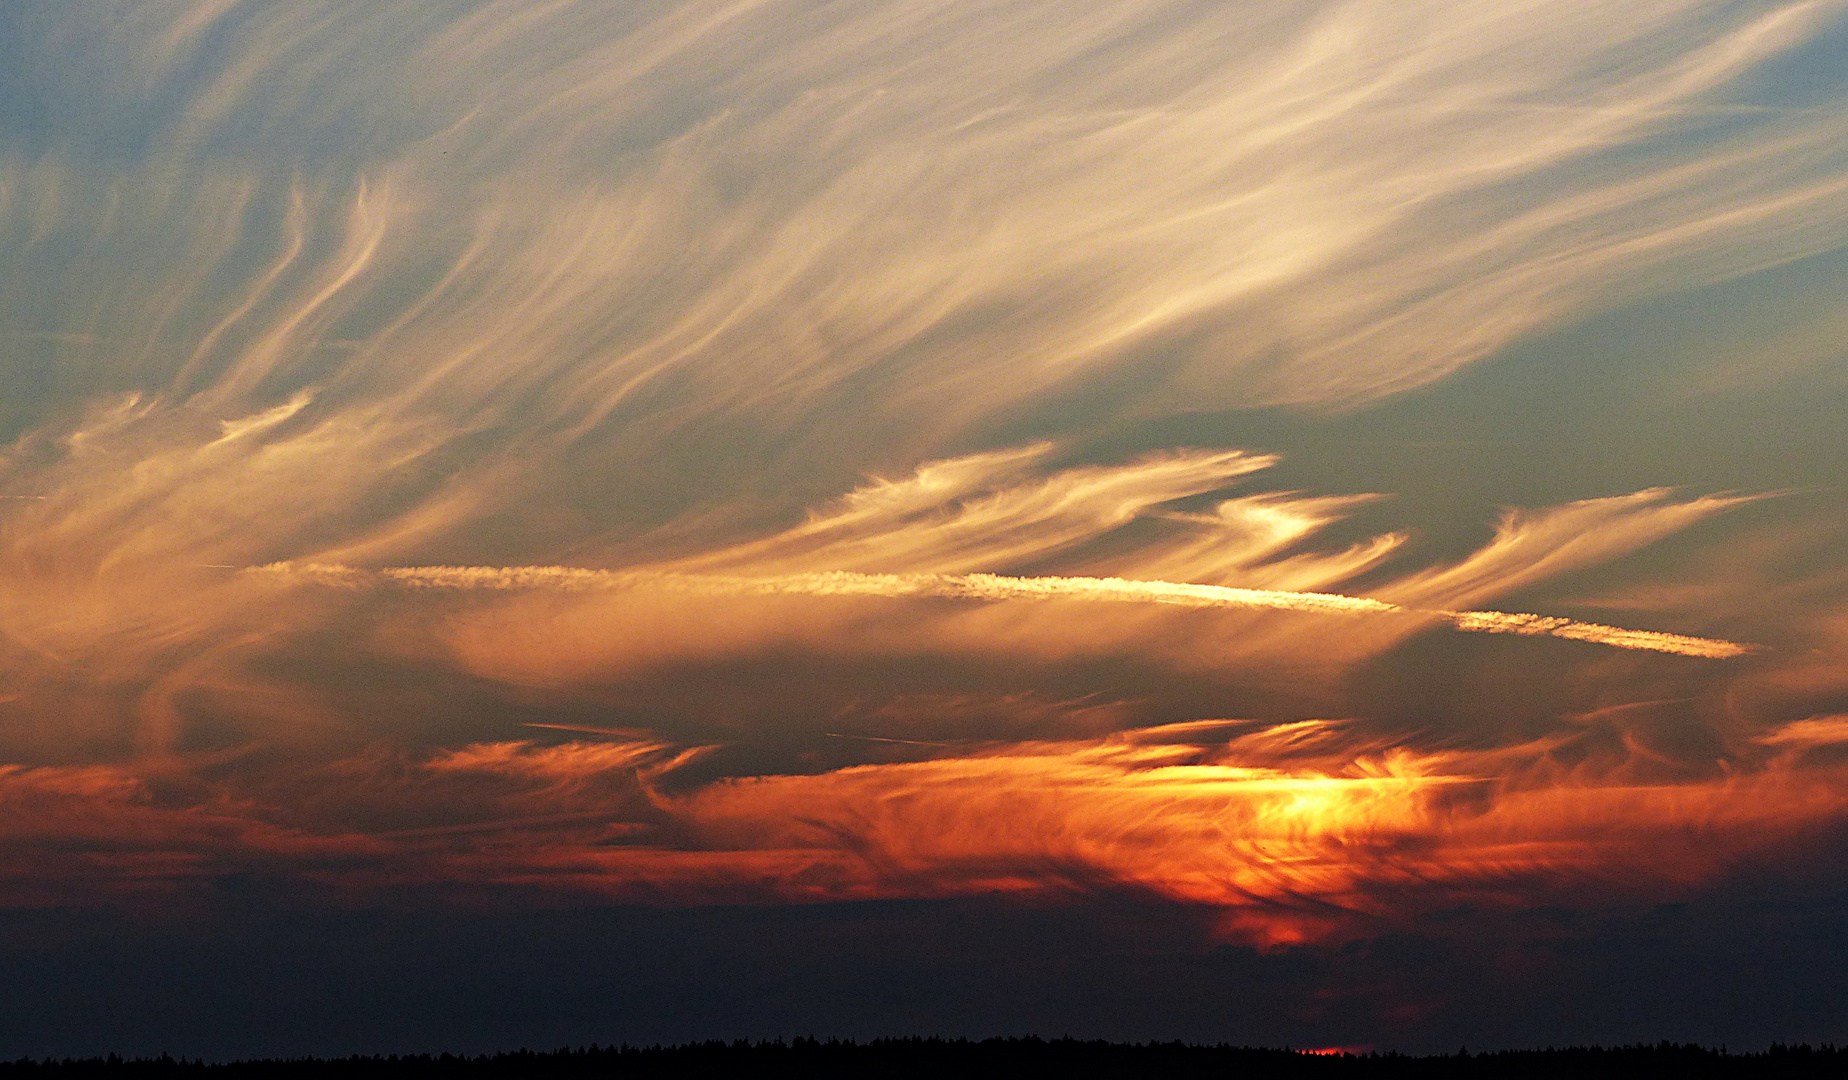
point(546, 521)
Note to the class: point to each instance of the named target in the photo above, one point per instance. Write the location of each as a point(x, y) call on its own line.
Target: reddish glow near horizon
point(1288, 830)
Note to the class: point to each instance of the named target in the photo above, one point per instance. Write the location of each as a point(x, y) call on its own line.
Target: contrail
point(1509, 622)
point(999, 587)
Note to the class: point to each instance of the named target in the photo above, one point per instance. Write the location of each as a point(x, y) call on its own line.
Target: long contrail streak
point(1000, 587)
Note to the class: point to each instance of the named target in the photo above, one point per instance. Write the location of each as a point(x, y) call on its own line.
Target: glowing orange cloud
point(1292, 831)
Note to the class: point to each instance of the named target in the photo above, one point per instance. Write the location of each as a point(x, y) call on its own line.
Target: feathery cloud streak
point(436, 211)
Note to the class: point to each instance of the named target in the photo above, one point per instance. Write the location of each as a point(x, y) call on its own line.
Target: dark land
point(1012, 1056)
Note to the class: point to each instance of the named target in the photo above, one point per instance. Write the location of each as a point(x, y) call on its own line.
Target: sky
point(531, 522)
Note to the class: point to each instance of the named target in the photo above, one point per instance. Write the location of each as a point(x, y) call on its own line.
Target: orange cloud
point(1293, 830)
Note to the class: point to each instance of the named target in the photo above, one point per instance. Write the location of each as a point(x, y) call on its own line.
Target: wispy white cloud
point(496, 241)
point(1533, 545)
point(982, 511)
point(713, 208)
